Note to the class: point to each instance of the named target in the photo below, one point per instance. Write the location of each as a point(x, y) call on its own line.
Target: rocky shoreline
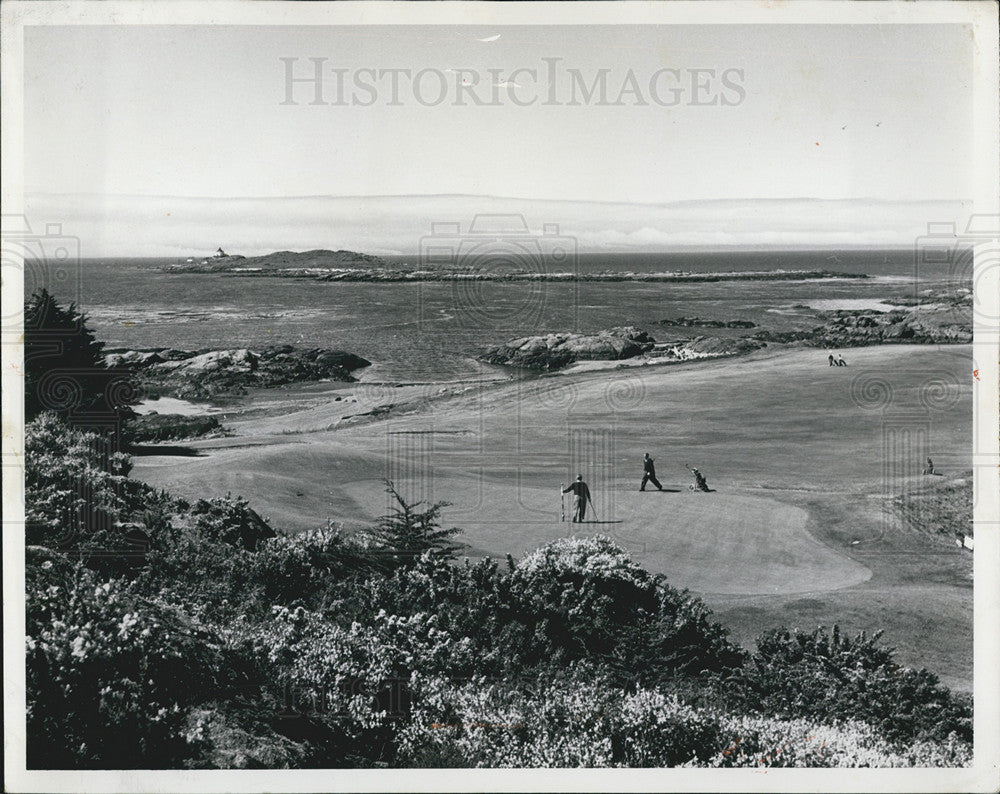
point(553, 352)
point(206, 374)
point(943, 318)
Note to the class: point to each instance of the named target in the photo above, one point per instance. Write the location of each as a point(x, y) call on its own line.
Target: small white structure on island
point(219, 253)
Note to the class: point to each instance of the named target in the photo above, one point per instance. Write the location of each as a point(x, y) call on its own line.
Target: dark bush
point(828, 676)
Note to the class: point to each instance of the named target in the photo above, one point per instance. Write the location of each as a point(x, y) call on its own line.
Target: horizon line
point(619, 252)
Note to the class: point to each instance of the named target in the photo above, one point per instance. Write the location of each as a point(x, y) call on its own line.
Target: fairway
point(800, 458)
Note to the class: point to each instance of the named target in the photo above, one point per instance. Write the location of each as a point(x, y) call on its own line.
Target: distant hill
point(320, 257)
point(280, 260)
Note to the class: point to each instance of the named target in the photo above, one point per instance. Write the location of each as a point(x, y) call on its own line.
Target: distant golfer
point(832, 362)
point(841, 362)
point(649, 474)
point(581, 495)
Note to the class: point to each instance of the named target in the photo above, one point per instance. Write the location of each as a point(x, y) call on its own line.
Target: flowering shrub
point(359, 679)
point(770, 742)
point(590, 600)
point(194, 563)
point(79, 498)
point(827, 676)
point(581, 721)
point(221, 646)
point(111, 677)
point(497, 724)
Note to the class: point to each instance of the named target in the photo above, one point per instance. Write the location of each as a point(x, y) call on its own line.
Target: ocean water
point(433, 331)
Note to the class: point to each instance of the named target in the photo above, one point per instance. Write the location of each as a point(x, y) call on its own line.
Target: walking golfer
point(649, 474)
point(581, 495)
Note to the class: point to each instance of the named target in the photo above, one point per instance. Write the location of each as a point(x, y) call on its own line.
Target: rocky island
point(327, 265)
point(278, 262)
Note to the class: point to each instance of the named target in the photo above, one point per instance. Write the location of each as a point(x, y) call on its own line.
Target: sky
point(166, 140)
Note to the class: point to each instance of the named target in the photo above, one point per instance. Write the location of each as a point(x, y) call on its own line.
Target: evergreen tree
point(64, 369)
point(408, 531)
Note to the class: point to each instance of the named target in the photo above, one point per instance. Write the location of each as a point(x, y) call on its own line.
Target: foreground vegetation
point(169, 634)
point(166, 634)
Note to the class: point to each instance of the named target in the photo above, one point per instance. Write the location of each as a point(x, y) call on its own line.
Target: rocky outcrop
point(936, 323)
point(855, 329)
point(711, 347)
point(210, 373)
point(554, 351)
point(697, 322)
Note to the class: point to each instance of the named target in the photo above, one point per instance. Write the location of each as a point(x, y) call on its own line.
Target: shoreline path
point(802, 457)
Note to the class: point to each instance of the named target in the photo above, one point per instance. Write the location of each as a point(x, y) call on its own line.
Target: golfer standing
point(581, 495)
point(649, 474)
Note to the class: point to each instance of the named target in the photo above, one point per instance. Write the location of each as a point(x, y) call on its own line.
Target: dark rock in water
point(554, 351)
point(697, 322)
point(210, 373)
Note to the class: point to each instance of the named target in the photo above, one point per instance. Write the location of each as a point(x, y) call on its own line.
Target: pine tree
point(408, 531)
point(64, 368)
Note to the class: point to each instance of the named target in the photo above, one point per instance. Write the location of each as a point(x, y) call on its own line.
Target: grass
point(800, 468)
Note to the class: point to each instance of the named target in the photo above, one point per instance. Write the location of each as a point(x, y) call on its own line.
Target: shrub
point(194, 561)
point(571, 600)
point(111, 678)
point(231, 520)
point(770, 742)
point(169, 427)
point(569, 718)
point(827, 676)
point(78, 497)
point(507, 723)
point(357, 681)
point(590, 600)
point(577, 719)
